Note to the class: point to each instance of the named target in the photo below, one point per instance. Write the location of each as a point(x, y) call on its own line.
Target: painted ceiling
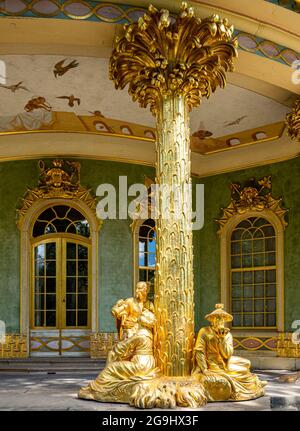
point(81, 85)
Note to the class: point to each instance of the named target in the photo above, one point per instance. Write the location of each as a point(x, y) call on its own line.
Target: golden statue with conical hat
point(224, 376)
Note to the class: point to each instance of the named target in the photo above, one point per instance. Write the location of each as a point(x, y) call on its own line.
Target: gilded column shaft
point(174, 294)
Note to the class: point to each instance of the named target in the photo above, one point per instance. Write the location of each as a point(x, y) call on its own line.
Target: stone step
point(51, 365)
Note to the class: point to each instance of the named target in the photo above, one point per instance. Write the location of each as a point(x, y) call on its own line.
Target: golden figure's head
point(141, 291)
point(219, 316)
point(147, 319)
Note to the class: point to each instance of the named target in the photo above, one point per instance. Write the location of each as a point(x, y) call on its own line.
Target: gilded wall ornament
point(254, 196)
point(61, 179)
point(293, 121)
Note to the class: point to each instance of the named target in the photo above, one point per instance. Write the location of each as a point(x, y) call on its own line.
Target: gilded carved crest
point(293, 121)
point(57, 179)
point(254, 196)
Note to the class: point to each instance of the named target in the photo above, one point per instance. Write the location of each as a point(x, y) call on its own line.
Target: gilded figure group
point(131, 375)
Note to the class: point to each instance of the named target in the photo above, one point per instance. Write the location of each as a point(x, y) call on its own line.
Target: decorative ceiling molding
point(59, 180)
point(253, 196)
point(114, 13)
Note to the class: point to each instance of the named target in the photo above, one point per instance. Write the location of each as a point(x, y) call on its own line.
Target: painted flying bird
point(235, 122)
point(14, 87)
point(60, 69)
point(97, 113)
point(71, 99)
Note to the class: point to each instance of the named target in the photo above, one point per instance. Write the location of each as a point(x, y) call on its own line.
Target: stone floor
point(42, 391)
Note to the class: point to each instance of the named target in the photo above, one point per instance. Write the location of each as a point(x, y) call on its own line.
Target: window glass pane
point(270, 276)
point(259, 259)
point(237, 320)
point(71, 284)
point(259, 290)
point(271, 290)
point(71, 318)
point(247, 261)
point(51, 268)
point(39, 302)
point(236, 306)
point(82, 318)
point(51, 284)
point(247, 277)
point(39, 285)
point(248, 319)
point(71, 268)
point(50, 250)
point(39, 252)
point(248, 291)
point(271, 319)
point(259, 276)
point(39, 267)
point(82, 268)
point(82, 252)
point(259, 305)
point(82, 285)
point(50, 318)
point(259, 320)
point(271, 304)
point(236, 291)
point(248, 305)
point(39, 318)
point(71, 301)
point(82, 301)
point(258, 245)
point(51, 301)
point(270, 259)
point(236, 261)
point(71, 250)
point(236, 278)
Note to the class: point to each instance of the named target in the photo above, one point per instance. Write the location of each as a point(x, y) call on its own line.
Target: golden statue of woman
point(127, 311)
point(129, 362)
point(224, 376)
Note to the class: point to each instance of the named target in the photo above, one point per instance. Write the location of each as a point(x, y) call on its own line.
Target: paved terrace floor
point(42, 391)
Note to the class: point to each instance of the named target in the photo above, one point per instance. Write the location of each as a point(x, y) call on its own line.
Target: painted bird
point(60, 69)
point(14, 87)
point(235, 122)
point(97, 113)
point(71, 99)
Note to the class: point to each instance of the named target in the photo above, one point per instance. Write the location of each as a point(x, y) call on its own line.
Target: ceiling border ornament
point(255, 195)
point(60, 179)
point(292, 121)
point(114, 13)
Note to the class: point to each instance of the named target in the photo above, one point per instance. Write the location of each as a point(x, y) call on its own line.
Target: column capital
point(160, 56)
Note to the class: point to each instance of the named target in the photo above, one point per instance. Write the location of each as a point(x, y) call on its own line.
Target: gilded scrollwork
point(293, 121)
point(59, 179)
point(254, 196)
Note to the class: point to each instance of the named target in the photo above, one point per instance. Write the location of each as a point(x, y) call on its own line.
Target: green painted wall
point(115, 237)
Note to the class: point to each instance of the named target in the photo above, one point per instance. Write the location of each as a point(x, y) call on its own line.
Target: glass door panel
point(76, 285)
point(45, 282)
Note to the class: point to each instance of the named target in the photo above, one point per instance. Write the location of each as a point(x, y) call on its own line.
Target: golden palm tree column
point(170, 64)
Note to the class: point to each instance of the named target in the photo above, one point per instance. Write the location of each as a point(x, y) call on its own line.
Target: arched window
point(253, 269)
point(146, 253)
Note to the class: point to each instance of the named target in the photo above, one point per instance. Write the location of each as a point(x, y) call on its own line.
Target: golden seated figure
point(129, 362)
point(225, 377)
